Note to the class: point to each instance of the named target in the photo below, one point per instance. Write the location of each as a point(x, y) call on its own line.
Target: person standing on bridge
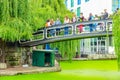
point(116, 10)
point(58, 22)
point(96, 24)
point(81, 19)
point(47, 23)
point(66, 20)
point(52, 31)
point(105, 14)
point(74, 18)
point(91, 17)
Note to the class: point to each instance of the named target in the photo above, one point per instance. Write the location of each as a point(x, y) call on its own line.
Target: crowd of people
point(104, 15)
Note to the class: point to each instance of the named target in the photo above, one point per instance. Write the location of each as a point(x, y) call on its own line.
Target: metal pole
point(45, 33)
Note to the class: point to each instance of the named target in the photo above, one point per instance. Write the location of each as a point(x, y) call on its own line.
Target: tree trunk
point(2, 47)
point(10, 54)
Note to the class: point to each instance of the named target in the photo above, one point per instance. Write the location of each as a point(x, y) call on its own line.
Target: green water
point(77, 70)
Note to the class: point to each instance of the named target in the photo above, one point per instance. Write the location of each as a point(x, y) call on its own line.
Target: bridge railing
point(73, 29)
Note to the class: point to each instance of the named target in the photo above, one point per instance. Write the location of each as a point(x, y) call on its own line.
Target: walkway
point(28, 70)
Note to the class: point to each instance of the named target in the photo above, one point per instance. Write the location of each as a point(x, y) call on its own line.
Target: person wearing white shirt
point(66, 20)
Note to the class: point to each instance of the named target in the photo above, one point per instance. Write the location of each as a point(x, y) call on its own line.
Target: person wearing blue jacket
point(58, 22)
point(91, 17)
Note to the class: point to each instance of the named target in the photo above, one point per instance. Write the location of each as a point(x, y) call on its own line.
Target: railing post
point(73, 30)
point(55, 32)
point(106, 25)
point(45, 33)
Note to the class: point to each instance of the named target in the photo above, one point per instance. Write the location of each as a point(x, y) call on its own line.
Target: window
point(79, 2)
point(110, 41)
point(72, 3)
point(78, 11)
point(66, 3)
point(86, 0)
point(71, 10)
point(115, 4)
point(119, 3)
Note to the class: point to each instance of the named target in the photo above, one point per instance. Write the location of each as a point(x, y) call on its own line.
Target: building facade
point(98, 45)
point(92, 6)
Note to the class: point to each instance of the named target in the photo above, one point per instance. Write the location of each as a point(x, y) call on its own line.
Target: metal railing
point(74, 28)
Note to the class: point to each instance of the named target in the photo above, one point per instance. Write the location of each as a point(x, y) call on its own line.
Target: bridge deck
point(66, 37)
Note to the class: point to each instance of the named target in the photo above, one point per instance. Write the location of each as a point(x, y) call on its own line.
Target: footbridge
point(71, 31)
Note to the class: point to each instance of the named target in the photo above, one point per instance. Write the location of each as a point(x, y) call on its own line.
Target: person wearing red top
point(81, 19)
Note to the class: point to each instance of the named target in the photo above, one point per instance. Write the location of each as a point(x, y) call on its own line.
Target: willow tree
point(25, 16)
point(116, 33)
point(20, 18)
point(15, 20)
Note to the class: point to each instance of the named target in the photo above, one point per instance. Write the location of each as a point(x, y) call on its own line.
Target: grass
point(77, 70)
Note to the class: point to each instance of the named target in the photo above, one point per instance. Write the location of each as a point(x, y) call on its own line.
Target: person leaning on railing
point(105, 14)
point(58, 22)
point(91, 17)
point(47, 23)
point(74, 19)
point(66, 20)
point(52, 31)
point(81, 19)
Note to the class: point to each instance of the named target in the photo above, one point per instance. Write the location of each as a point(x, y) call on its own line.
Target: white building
point(98, 44)
point(92, 6)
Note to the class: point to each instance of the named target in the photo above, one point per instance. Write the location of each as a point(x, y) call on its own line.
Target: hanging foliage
point(20, 18)
point(23, 17)
point(68, 48)
point(15, 20)
point(116, 33)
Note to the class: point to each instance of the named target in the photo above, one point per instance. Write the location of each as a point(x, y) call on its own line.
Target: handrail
point(84, 22)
